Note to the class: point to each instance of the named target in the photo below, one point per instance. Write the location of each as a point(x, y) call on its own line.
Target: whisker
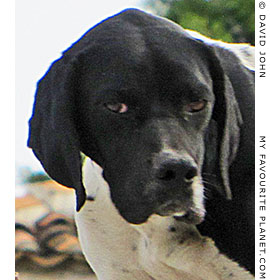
point(209, 174)
point(208, 189)
point(208, 182)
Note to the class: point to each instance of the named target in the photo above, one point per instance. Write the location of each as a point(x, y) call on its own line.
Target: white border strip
point(262, 181)
point(7, 91)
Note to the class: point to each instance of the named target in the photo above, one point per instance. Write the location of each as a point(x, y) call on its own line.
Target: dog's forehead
point(137, 50)
point(135, 35)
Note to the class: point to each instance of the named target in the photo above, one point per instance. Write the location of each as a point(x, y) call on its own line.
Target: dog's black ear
point(52, 131)
point(227, 118)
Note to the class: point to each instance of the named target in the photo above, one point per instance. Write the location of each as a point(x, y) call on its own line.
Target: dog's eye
point(196, 106)
point(117, 107)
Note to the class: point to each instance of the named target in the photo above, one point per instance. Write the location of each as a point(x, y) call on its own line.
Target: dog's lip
point(180, 214)
point(191, 216)
point(170, 208)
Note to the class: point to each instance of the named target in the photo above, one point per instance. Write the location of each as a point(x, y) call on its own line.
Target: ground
point(55, 275)
point(68, 271)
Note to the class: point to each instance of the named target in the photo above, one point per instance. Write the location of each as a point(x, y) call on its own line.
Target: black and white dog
point(165, 118)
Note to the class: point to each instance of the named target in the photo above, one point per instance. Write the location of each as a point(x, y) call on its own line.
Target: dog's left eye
point(196, 106)
point(117, 107)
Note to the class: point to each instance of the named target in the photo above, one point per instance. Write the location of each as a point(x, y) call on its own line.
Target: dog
point(165, 119)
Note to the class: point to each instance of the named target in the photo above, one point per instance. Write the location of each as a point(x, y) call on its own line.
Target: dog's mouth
point(189, 215)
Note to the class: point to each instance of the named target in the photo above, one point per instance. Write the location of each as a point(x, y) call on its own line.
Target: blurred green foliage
point(36, 177)
point(227, 20)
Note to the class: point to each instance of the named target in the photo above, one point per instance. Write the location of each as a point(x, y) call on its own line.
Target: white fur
point(118, 250)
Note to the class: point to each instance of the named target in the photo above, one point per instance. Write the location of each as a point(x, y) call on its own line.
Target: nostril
point(167, 175)
point(191, 174)
point(176, 172)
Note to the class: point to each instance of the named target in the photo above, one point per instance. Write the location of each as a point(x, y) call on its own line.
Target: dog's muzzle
point(180, 193)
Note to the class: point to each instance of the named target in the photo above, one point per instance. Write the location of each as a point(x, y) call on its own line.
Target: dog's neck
point(178, 246)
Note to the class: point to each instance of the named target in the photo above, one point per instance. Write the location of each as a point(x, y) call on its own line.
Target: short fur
point(157, 69)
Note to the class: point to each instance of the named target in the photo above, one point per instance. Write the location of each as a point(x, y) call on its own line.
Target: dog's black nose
point(176, 171)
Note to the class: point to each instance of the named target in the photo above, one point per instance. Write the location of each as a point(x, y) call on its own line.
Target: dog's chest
point(109, 247)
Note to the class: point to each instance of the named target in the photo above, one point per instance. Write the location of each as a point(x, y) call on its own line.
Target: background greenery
point(227, 20)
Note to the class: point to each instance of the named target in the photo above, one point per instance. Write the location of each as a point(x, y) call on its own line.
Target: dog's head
point(148, 103)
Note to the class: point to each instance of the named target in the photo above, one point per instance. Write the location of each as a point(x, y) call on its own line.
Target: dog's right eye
point(196, 106)
point(117, 107)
